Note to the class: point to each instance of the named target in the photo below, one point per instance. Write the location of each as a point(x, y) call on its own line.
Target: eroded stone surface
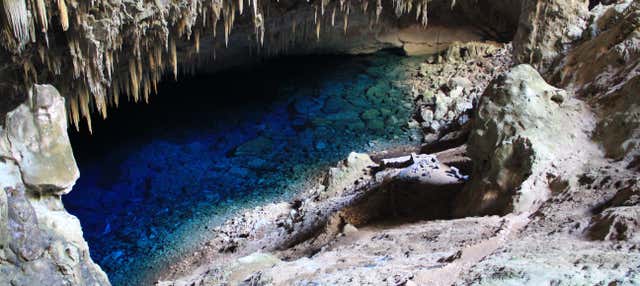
point(520, 128)
point(39, 241)
point(37, 135)
point(547, 29)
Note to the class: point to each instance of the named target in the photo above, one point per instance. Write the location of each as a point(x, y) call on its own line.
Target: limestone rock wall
point(547, 29)
point(39, 240)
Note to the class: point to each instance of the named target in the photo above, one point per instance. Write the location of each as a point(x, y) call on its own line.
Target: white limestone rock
point(37, 135)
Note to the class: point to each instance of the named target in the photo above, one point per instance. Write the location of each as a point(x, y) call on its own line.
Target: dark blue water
point(155, 177)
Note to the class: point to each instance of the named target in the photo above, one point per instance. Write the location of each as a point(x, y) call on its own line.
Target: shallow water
point(155, 177)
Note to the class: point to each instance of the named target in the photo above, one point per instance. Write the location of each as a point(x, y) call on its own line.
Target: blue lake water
point(155, 177)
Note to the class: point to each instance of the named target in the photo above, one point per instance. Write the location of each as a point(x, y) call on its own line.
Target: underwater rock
point(307, 105)
point(335, 104)
point(256, 146)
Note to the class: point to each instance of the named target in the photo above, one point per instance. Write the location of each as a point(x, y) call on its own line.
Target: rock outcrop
point(39, 240)
point(521, 125)
point(546, 30)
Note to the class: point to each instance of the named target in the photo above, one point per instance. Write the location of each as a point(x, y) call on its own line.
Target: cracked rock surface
point(39, 240)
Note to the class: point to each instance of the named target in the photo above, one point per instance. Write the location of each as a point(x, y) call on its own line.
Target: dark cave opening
point(154, 175)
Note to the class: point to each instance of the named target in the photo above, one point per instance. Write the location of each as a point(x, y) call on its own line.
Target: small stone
point(349, 229)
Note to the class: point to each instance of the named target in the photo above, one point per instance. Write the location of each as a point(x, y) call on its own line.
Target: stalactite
point(294, 25)
point(145, 88)
point(159, 63)
point(333, 17)
point(139, 67)
point(315, 20)
point(152, 61)
point(260, 28)
point(108, 57)
point(346, 17)
point(214, 26)
point(64, 15)
point(196, 39)
point(84, 107)
point(174, 59)
point(133, 75)
point(240, 6)
point(227, 28)
point(127, 87)
point(116, 93)
point(425, 11)
point(17, 16)
point(74, 112)
point(255, 7)
point(102, 106)
point(154, 82)
point(41, 9)
point(32, 29)
point(182, 25)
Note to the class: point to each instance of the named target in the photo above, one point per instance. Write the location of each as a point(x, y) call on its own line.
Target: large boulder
point(36, 132)
point(518, 131)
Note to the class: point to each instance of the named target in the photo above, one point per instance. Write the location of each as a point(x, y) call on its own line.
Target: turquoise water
point(155, 177)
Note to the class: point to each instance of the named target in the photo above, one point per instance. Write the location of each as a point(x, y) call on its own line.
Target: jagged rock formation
point(39, 240)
